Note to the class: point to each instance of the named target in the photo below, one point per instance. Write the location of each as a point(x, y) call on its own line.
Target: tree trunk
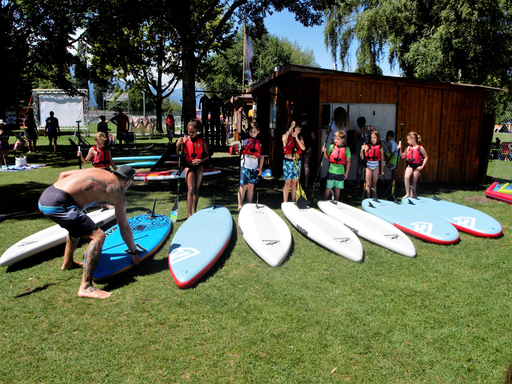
point(189, 84)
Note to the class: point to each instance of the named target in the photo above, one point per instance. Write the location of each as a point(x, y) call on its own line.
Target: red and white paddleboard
point(168, 175)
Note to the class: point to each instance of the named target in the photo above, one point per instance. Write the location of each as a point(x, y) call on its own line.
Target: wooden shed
point(449, 117)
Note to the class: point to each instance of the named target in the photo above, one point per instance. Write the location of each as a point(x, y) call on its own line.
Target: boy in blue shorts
point(251, 165)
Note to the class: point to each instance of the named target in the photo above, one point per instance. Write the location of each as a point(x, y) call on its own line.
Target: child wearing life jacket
point(251, 165)
point(293, 145)
point(99, 153)
point(373, 154)
point(195, 150)
point(339, 164)
point(416, 157)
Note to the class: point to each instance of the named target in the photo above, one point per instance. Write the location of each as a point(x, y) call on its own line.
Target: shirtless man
point(64, 202)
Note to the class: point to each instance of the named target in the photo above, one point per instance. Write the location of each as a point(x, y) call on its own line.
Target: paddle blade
point(302, 203)
point(174, 211)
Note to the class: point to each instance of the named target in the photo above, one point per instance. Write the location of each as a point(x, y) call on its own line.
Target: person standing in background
point(121, 120)
point(52, 130)
point(4, 145)
point(31, 131)
point(361, 138)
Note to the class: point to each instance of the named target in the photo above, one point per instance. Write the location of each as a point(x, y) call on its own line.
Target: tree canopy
point(468, 41)
point(223, 71)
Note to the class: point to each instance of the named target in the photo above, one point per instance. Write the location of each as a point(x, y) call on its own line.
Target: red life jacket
point(292, 146)
point(338, 155)
point(373, 154)
point(193, 150)
point(102, 158)
point(414, 156)
point(252, 148)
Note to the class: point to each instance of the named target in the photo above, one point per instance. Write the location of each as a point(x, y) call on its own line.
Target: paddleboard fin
point(152, 215)
point(257, 200)
point(410, 202)
point(371, 205)
point(374, 194)
point(436, 198)
point(332, 196)
point(413, 193)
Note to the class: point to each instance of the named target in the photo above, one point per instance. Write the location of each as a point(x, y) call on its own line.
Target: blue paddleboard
point(413, 221)
point(465, 219)
point(149, 233)
point(198, 244)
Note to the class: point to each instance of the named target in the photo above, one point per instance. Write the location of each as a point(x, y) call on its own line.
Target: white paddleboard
point(369, 227)
point(325, 230)
point(265, 232)
point(47, 238)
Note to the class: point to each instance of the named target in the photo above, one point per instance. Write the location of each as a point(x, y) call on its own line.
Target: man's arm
point(125, 229)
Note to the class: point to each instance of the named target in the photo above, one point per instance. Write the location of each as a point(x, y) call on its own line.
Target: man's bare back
point(93, 186)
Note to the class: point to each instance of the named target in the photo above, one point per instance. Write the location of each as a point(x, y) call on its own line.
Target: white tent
point(68, 109)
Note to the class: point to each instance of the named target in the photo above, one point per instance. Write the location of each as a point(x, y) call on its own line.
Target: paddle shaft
point(392, 196)
point(319, 168)
point(24, 213)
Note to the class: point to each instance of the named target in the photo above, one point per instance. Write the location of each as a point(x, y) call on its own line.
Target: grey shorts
point(60, 207)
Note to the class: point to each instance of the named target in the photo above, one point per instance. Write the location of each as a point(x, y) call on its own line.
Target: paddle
point(79, 159)
point(318, 170)
point(302, 200)
point(24, 213)
point(392, 196)
point(174, 211)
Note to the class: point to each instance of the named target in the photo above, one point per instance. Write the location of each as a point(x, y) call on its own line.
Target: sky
point(283, 24)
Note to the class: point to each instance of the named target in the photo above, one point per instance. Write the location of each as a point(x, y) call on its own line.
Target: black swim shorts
point(60, 207)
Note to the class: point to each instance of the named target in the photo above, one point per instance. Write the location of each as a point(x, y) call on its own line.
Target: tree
point(223, 71)
point(36, 40)
point(177, 35)
point(463, 41)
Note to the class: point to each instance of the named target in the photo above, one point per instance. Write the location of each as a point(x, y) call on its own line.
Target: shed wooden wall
point(449, 118)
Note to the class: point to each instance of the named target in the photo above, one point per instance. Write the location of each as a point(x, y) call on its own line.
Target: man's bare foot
point(93, 293)
point(405, 197)
point(73, 265)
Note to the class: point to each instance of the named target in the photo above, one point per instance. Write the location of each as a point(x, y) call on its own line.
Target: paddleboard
point(265, 232)
point(149, 233)
point(48, 238)
point(324, 230)
point(505, 188)
point(413, 221)
point(198, 244)
point(493, 193)
point(465, 219)
point(369, 227)
point(136, 158)
point(168, 175)
point(147, 164)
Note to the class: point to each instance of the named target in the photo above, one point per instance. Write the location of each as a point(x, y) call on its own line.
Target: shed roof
point(319, 72)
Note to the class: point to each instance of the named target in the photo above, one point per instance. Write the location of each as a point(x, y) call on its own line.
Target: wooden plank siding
point(448, 117)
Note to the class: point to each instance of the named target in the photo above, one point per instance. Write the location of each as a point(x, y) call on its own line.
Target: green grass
point(443, 317)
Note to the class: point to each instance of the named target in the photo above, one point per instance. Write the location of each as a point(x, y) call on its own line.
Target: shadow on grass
point(30, 291)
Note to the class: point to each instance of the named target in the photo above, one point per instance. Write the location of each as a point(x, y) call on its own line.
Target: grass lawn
point(442, 317)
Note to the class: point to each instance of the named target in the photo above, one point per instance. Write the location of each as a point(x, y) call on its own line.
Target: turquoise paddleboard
point(198, 244)
point(413, 221)
point(137, 158)
point(149, 233)
point(465, 219)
